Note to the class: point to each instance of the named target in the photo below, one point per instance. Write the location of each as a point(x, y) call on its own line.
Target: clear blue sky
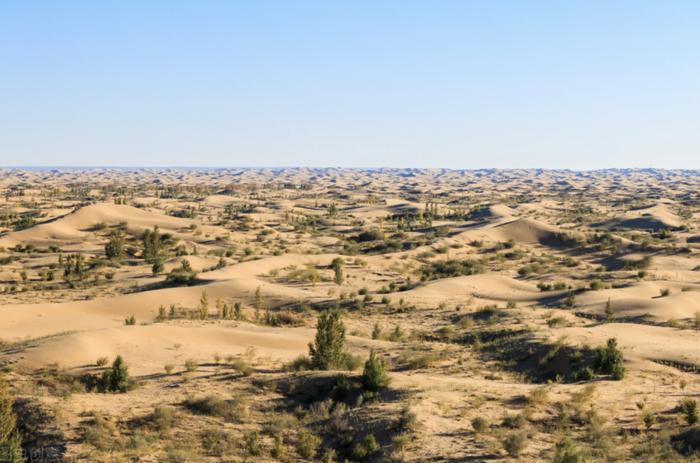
point(461, 84)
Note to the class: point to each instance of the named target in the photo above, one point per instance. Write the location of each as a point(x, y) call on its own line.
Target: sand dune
point(447, 363)
point(148, 348)
point(659, 343)
point(491, 287)
point(679, 305)
point(76, 225)
point(657, 217)
point(521, 230)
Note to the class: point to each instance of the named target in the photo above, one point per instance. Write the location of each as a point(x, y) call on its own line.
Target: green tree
point(374, 376)
point(203, 308)
point(337, 266)
point(114, 249)
point(326, 351)
point(258, 303)
point(117, 378)
point(152, 243)
point(689, 407)
point(10, 441)
point(609, 313)
point(609, 360)
point(376, 331)
point(157, 266)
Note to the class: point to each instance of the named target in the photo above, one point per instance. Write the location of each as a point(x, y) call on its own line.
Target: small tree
point(10, 441)
point(203, 308)
point(376, 331)
point(258, 303)
point(337, 266)
point(157, 266)
point(374, 376)
point(114, 249)
point(152, 243)
point(326, 351)
point(689, 407)
point(609, 313)
point(162, 314)
point(609, 360)
point(567, 452)
point(116, 379)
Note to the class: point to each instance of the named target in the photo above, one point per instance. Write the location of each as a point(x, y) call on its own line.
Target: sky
point(457, 84)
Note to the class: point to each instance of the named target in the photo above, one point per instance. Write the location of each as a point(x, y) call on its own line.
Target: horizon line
point(458, 169)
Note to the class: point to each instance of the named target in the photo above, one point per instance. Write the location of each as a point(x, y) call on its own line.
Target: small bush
point(374, 376)
point(300, 363)
point(514, 443)
point(253, 444)
point(400, 441)
point(234, 410)
point(307, 444)
point(164, 418)
point(449, 268)
point(242, 367)
point(480, 425)
point(191, 365)
point(609, 360)
point(116, 379)
point(214, 441)
point(567, 452)
point(689, 408)
point(368, 446)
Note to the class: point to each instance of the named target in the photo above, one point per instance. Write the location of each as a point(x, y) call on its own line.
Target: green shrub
point(326, 352)
point(307, 444)
point(400, 441)
point(566, 452)
point(689, 407)
point(253, 444)
point(480, 424)
point(514, 443)
point(191, 365)
point(10, 440)
point(184, 275)
point(164, 418)
point(609, 360)
point(449, 268)
point(233, 410)
point(374, 376)
point(116, 379)
point(302, 362)
point(367, 447)
point(214, 441)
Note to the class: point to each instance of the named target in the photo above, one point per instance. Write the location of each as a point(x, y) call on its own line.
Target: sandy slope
point(490, 287)
point(641, 342)
point(75, 226)
point(148, 348)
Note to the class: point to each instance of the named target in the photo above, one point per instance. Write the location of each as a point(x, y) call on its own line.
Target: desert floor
point(490, 296)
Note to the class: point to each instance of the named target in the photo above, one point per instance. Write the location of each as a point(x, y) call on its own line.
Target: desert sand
point(486, 294)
